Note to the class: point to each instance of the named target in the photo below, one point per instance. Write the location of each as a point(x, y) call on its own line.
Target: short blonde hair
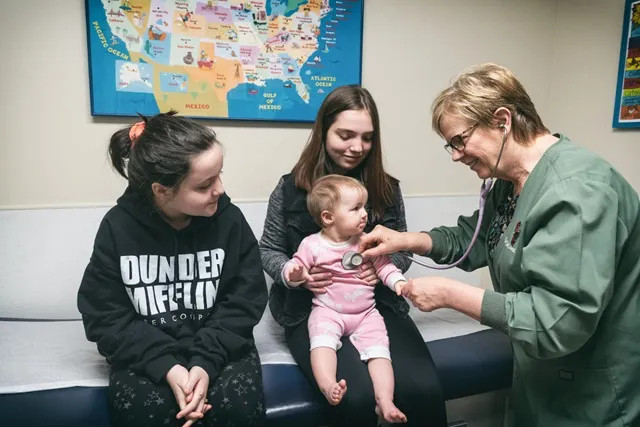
point(479, 91)
point(325, 194)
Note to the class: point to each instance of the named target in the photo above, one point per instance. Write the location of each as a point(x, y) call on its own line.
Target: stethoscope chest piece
point(352, 260)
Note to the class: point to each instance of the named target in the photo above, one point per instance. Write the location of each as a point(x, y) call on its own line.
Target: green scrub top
point(566, 274)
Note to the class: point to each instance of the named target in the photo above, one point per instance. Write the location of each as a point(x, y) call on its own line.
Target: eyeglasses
point(457, 141)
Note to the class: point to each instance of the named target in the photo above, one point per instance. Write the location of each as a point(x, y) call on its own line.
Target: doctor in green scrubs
point(561, 237)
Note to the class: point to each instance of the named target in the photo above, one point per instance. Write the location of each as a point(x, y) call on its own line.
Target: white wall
point(44, 252)
point(582, 89)
point(52, 152)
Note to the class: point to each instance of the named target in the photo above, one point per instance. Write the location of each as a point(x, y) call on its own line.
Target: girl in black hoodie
point(175, 286)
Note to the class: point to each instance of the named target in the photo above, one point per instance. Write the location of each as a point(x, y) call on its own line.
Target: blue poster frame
point(344, 59)
point(627, 107)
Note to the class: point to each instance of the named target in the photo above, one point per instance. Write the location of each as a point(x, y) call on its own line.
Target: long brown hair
point(314, 162)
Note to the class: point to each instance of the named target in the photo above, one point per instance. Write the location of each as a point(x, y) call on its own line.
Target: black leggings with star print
point(235, 396)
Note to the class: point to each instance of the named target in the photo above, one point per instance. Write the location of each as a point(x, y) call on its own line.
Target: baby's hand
point(296, 273)
point(398, 286)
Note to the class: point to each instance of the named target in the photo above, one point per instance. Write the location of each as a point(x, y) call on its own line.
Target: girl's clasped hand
point(190, 390)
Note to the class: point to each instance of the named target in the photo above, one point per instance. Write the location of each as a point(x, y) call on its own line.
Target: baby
point(337, 204)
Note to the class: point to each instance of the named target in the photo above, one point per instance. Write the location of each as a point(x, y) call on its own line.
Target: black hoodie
point(152, 297)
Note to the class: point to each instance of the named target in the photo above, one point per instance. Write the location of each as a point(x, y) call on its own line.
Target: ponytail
point(158, 149)
point(120, 151)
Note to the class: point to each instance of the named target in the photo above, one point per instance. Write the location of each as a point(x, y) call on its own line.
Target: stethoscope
point(351, 260)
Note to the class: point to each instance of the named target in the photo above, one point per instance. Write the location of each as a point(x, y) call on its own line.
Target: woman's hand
point(320, 278)
point(196, 396)
point(177, 378)
point(431, 293)
point(426, 293)
point(381, 241)
point(368, 273)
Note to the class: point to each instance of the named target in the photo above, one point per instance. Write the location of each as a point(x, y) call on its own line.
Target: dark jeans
point(417, 389)
point(235, 396)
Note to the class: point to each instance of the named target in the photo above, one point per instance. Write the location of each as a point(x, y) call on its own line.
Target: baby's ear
point(327, 218)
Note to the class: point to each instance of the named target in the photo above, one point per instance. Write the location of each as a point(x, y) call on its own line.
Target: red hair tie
point(135, 132)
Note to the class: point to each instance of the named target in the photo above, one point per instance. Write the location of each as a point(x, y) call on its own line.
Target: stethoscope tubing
point(352, 260)
point(484, 193)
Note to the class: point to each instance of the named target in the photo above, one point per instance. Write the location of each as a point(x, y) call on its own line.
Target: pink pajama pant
point(366, 331)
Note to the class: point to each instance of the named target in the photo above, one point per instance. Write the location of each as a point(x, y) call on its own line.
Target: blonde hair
point(479, 91)
point(325, 194)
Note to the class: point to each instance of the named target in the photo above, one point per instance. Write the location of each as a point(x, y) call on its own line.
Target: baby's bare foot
point(390, 412)
point(335, 392)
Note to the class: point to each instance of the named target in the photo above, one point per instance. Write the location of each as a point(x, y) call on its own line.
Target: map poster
point(229, 59)
point(627, 109)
